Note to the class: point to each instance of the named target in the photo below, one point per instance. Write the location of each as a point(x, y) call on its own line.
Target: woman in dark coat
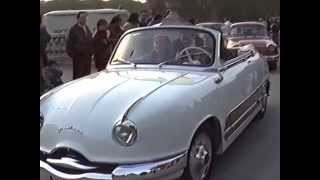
point(101, 45)
point(115, 30)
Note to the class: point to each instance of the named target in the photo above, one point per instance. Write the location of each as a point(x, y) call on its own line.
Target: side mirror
point(219, 76)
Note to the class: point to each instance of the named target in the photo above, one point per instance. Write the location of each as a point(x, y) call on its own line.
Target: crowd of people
point(84, 47)
point(273, 28)
point(50, 73)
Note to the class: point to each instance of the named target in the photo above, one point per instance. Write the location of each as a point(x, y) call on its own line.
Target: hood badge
point(71, 129)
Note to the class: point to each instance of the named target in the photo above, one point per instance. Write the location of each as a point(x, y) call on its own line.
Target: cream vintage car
point(171, 99)
point(255, 33)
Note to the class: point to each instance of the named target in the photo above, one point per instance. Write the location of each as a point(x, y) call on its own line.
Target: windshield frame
point(215, 34)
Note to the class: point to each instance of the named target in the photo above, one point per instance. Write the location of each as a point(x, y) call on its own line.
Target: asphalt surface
point(255, 155)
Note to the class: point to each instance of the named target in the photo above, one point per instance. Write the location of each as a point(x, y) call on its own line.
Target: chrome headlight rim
point(125, 133)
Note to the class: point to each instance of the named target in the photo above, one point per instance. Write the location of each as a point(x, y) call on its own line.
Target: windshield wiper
point(124, 61)
point(162, 63)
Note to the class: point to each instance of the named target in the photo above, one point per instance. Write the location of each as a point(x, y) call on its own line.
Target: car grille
point(68, 153)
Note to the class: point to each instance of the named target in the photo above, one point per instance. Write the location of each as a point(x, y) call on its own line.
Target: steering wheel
point(189, 54)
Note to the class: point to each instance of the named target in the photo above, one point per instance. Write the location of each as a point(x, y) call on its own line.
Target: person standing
point(101, 44)
point(115, 30)
point(144, 18)
point(79, 46)
point(275, 32)
point(133, 22)
point(173, 14)
point(155, 20)
point(269, 21)
point(278, 24)
point(44, 40)
point(227, 26)
point(192, 21)
point(262, 20)
point(53, 74)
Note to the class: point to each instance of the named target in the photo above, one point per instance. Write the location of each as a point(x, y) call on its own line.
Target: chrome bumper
point(161, 170)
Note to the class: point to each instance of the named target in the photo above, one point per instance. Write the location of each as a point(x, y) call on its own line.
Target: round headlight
point(125, 133)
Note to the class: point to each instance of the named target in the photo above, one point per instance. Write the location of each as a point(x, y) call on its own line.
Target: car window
point(249, 30)
point(170, 46)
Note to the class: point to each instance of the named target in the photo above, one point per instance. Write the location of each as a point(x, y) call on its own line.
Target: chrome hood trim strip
point(139, 100)
point(69, 163)
point(54, 172)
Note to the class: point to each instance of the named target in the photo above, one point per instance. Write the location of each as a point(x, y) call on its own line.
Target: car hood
point(81, 114)
point(257, 42)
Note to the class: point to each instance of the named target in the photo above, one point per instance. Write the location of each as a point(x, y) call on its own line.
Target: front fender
point(167, 126)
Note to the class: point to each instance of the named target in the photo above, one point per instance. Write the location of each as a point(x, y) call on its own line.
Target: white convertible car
point(170, 100)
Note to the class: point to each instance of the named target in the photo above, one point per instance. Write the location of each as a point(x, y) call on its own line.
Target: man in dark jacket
point(80, 47)
point(144, 18)
point(275, 32)
point(173, 15)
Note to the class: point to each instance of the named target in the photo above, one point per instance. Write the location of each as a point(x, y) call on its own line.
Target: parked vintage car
point(164, 108)
point(255, 33)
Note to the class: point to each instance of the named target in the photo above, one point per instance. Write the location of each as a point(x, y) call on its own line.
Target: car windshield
point(249, 30)
point(172, 46)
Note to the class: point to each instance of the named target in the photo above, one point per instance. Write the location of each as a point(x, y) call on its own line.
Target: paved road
point(255, 155)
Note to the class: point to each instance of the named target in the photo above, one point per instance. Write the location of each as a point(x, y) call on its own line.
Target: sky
point(106, 0)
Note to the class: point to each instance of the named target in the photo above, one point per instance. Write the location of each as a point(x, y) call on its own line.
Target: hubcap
point(200, 157)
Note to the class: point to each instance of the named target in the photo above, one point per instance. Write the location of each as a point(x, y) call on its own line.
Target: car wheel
point(264, 104)
point(200, 158)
